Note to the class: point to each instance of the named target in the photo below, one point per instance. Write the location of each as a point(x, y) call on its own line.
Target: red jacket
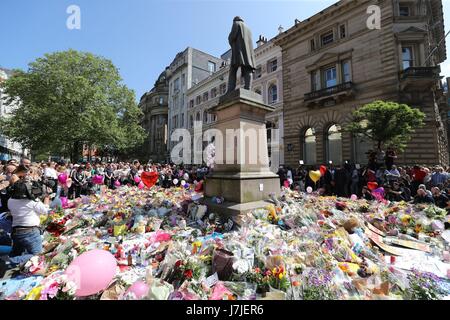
point(418, 175)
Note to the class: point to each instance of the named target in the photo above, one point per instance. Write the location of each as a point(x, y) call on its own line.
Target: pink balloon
point(354, 197)
point(141, 185)
point(117, 183)
point(98, 179)
point(92, 272)
point(139, 288)
point(137, 179)
point(62, 178)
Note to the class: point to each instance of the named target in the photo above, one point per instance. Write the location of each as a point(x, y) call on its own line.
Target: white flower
point(70, 287)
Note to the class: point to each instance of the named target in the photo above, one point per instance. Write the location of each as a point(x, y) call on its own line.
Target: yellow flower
point(280, 276)
point(197, 244)
point(418, 228)
point(405, 218)
point(34, 294)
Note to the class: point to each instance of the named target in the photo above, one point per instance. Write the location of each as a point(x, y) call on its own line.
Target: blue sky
point(141, 37)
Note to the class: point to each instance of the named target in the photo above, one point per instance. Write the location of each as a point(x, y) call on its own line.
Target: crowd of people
point(82, 176)
point(418, 183)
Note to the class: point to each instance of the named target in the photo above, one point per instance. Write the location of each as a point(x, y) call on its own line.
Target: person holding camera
point(25, 208)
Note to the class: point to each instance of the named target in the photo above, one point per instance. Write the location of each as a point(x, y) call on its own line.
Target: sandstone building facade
point(154, 105)
point(335, 62)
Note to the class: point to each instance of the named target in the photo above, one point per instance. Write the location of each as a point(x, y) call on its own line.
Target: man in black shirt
point(423, 197)
point(440, 199)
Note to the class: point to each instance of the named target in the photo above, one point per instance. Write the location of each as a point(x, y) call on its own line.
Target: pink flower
point(50, 292)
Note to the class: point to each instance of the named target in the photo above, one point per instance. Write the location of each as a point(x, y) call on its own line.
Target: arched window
point(197, 117)
point(334, 144)
point(309, 146)
point(273, 94)
point(205, 117)
point(192, 121)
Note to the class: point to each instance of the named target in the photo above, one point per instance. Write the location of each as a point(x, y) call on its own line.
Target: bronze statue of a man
point(243, 56)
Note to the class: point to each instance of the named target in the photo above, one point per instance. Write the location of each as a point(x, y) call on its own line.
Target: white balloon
point(175, 181)
point(183, 182)
point(309, 190)
point(186, 176)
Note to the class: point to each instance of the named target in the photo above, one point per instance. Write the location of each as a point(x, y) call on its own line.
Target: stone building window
point(191, 121)
point(191, 104)
point(327, 38)
point(315, 81)
point(211, 67)
point(205, 97)
point(205, 117)
point(223, 88)
point(176, 84)
point(213, 93)
point(272, 65)
point(404, 9)
point(197, 117)
point(407, 57)
point(312, 44)
point(346, 72)
point(258, 72)
point(334, 144)
point(198, 100)
point(342, 31)
point(182, 120)
point(309, 146)
point(330, 77)
point(273, 94)
point(161, 100)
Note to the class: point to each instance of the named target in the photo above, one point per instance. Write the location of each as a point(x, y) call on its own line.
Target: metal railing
point(421, 72)
point(329, 91)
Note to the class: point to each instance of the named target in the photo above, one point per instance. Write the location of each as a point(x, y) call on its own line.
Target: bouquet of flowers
point(435, 212)
point(55, 287)
point(275, 278)
point(317, 285)
point(424, 286)
point(186, 270)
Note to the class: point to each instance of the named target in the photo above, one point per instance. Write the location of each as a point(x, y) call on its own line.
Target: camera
point(27, 189)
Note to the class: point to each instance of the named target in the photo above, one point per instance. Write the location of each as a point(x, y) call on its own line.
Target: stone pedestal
point(241, 173)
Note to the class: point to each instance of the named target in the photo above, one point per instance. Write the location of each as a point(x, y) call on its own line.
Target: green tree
point(68, 99)
point(388, 124)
